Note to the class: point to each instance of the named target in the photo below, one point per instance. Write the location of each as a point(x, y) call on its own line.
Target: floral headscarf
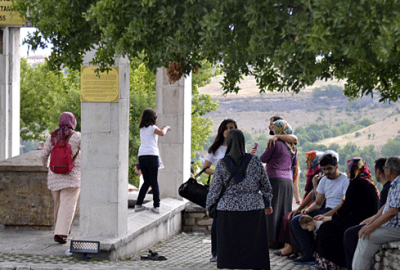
point(283, 127)
point(314, 157)
point(358, 168)
point(67, 124)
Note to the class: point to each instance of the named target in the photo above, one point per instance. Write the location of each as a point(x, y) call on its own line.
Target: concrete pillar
point(105, 138)
point(173, 106)
point(9, 92)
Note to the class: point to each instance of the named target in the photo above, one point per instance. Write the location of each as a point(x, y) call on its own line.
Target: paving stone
point(183, 252)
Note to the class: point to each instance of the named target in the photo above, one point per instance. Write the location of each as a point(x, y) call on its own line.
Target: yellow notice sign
point(99, 89)
point(8, 18)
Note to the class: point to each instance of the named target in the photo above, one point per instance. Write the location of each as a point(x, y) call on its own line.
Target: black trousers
point(149, 167)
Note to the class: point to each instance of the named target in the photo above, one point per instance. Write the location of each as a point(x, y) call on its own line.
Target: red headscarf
point(358, 168)
point(67, 124)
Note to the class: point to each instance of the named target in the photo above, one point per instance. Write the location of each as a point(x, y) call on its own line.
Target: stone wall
point(388, 257)
point(196, 220)
point(24, 197)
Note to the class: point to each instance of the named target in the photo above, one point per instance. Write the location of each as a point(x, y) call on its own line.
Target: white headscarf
point(333, 153)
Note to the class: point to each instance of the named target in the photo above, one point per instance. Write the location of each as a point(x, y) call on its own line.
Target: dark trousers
point(304, 238)
point(149, 167)
point(214, 238)
point(350, 240)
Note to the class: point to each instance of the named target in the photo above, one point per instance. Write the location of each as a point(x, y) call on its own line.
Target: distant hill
point(376, 134)
point(253, 110)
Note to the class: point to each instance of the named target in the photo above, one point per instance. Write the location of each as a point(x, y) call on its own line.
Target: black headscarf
point(236, 154)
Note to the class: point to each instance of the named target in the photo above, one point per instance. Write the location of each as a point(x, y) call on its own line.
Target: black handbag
point(194, 191)
point(212, 213)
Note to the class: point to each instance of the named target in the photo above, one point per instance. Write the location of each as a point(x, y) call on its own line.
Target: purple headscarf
point(67, 124)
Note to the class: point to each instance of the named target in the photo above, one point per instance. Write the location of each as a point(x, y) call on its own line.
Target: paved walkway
point(34, 250)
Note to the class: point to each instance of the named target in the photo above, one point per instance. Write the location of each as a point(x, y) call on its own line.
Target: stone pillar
point(173, 106)
point(9, 92)
point(105, 139)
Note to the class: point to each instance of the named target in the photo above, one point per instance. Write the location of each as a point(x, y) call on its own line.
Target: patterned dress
point(241, 228)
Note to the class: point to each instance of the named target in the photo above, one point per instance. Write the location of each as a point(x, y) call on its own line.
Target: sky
point(24, 48)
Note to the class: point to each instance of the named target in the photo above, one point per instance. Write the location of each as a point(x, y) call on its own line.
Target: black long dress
point(361, 202)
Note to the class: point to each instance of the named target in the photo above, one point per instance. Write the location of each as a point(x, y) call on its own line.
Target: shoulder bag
point(194, 191)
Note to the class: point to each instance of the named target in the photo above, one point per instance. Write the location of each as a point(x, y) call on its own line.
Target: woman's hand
point(269, 211)
point(208, 214)
point(272, 141)
point(253, 151)
point(293, 214)
point(167, 127)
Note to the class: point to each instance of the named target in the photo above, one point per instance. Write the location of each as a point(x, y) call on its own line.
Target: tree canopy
point(285, 44)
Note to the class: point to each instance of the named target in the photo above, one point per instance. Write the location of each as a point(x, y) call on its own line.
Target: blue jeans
point(350, 240)
point(304, 238)
point(149, 167)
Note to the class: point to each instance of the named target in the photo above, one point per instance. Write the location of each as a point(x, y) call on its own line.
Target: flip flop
point(158, 258)
point(153, 256)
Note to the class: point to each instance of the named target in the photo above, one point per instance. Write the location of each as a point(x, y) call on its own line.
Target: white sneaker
point(213, 258)
point(156, 210)
point(139, 208)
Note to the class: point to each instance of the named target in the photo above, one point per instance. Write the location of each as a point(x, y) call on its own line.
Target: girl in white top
point(215, 153)
point(218, 148)
point(149, 158)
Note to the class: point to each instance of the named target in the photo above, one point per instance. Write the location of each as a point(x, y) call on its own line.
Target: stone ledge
point(160, 226)
point(388, 257)
point(27, 162)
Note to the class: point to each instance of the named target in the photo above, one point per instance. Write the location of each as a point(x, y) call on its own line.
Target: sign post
point(8, 17)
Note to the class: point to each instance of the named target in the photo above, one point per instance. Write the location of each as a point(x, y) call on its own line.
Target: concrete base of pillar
point(145, 229)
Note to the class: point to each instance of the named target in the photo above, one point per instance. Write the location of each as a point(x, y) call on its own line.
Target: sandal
point(61, 239)
point(153, 256)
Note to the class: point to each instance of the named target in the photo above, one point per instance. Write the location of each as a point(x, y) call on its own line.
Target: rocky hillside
point(252, 111)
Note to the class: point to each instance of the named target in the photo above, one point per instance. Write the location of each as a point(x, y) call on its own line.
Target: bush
point(366, 122)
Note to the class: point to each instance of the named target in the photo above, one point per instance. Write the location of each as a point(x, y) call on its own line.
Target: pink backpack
point(61, 159)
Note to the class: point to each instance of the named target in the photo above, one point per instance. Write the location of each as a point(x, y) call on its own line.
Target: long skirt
point(65, 201)
point(284, 234)
point(329, 241)
point(242, 240)
point(281, 203)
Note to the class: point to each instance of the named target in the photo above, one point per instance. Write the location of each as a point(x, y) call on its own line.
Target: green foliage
point(44, 96)
point(329, 91)
point(287, 44)
point(391, 148)
point(366, 122)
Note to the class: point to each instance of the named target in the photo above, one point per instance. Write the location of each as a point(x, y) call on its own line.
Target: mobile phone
point(255, 146)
